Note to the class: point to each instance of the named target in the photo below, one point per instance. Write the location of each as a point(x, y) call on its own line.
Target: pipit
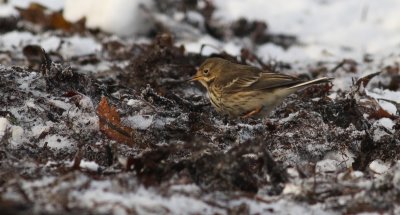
point(246, 91)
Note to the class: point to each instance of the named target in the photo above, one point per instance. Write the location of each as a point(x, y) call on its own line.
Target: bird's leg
point(252, 113)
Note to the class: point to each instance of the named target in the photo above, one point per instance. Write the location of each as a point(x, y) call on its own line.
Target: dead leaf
point(366, 79)
point(110, 123)
point(39, 14)
point(380, 113)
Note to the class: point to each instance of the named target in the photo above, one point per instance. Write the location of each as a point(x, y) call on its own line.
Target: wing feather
point(249, 78)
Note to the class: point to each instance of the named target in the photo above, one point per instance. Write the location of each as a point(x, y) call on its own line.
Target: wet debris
point(162, 65)
point(8, 24)
point(84, 142)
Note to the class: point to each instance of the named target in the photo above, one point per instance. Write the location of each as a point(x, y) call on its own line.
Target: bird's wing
point(253, 79)
point(274, 80)
point(237, 78)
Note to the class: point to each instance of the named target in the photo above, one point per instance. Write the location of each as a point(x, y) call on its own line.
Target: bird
point(246, 91)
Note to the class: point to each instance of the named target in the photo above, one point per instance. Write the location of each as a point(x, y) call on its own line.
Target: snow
point(31, 104)
point(327, 165)
point(7, 10)
point(56, 141)
point(349, 29)
point(134, 102)
point(387, 123)
point(13, 39)
point(60, 104)
point(352, 175)
point(292, 172)
point(385, 94)
point(141, 122)
point(77, 45)
point(285, 207)
point(72, 46)
point(292, 189)
point(378, 166)
point(37, 130)
point(89, 165)
point(344, 157)
point(289, 118)
point(17, 135)
point(362, 26)
point(143, 201)
point(85, 102)
point(116, 16)
point(396, 176)
point(211, 45)
point(380, 132)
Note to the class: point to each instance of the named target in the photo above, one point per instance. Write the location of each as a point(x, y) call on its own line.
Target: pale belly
point(239, 104)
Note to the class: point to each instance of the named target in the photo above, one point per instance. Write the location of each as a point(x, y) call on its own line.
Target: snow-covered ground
point(328, 31)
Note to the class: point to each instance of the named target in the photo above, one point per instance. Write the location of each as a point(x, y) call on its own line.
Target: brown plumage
point(242, 90)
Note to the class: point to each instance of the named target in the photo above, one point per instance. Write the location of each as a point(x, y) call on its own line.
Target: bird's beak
point(196, 78)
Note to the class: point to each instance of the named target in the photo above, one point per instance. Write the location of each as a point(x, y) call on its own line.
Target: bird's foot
point(252, 113)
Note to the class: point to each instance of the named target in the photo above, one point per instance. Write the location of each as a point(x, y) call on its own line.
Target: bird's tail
point(315, 81)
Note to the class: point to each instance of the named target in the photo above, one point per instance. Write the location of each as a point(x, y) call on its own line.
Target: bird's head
point(209, 70)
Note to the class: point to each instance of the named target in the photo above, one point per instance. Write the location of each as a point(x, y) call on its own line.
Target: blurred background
point(322, 28)
point(300, 33)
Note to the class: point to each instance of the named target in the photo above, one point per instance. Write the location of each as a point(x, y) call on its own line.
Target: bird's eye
point(205, 71)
